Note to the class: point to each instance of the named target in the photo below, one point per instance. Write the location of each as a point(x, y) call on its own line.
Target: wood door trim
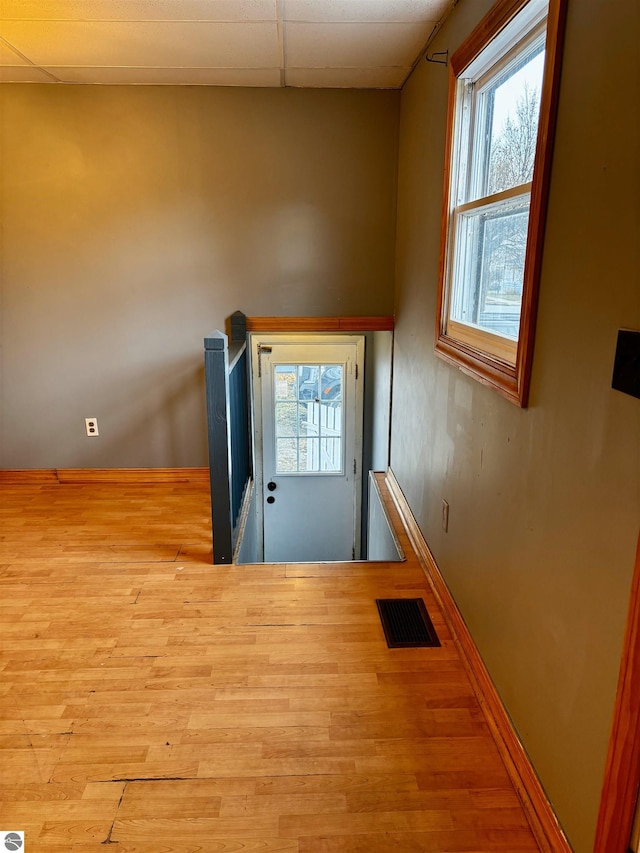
point(622, 770)
point(320, 324)
point(540, 814)
point(41, 476)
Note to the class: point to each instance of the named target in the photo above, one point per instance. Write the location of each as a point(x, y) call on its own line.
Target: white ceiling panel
point(332, 43)
point(145, 44)
point(361, 11)
point(251, 77)
point(352, 45)
point(139, 10)
point(8, 56)
point(346, 78)
point(23, 74)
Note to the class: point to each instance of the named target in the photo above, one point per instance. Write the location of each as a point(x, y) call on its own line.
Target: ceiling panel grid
point(300, 43)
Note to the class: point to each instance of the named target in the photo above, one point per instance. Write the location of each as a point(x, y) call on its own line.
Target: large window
point(502, 95)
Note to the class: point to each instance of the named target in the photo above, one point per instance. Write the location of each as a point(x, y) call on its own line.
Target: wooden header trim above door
point(320, 324)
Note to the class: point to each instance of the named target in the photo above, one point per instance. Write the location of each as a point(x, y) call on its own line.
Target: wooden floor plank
point(151, 700)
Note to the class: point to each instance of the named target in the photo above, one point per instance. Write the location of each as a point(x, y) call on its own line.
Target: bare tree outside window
point(513, 152)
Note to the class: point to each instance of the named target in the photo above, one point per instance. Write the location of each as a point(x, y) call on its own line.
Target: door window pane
point(331, 384)
point(287, 455)
point(330, 454)
point(308, 375)
point(285, 382)
point(308, 418)
point(309, 455)
point(308, 426)
point(286, 419)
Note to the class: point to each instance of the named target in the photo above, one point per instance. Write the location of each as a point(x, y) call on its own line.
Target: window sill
point(484, 367)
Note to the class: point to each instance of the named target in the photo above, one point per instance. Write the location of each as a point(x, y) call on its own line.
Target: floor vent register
point(406, 623)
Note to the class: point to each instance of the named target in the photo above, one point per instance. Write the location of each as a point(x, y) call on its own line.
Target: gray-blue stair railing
point(230, 467)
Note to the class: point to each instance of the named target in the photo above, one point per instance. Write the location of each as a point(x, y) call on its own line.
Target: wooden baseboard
point(540, 814)
point(28, 476)
point(132, 476)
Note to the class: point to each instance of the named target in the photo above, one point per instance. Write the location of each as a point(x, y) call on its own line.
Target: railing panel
point(229, 444)
point(216, 362)
point(239, 433)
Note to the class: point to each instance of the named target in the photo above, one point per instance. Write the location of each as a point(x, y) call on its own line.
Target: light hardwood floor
point(151, 700)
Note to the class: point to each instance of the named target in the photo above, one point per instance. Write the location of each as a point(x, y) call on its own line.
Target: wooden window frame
point(512, 380)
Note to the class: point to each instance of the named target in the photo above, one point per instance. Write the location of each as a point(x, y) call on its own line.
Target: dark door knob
point(271, 486)
point(271, 499)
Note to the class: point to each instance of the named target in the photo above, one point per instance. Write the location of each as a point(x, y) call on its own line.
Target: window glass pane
point(511, 109)
point(286, 419)
point(330, 419)
point(309, 455)
point(308, 375)
point(285, 382)
point(490, 250)
point(309, 424)
point(331, 384)
point(286, 455)
point(330, 454)
point(308, 432)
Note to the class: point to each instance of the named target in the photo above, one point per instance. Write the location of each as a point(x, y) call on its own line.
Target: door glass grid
point(308, 418)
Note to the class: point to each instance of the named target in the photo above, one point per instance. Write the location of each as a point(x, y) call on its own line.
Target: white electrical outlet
point(445, 516)
point(91, 426)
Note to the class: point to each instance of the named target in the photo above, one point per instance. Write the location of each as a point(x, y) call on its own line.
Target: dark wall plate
point(626, 366)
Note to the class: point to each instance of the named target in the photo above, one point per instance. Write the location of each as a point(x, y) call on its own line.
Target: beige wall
point(544, 503)
point(135, 220)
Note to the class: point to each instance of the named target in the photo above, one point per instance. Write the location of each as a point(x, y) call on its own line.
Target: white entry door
point(311, 407)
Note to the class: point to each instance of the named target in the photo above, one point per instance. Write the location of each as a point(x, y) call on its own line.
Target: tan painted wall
point(544, 503)
point(135, 220)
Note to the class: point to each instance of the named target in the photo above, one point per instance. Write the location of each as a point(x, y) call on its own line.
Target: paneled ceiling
point(302, 43)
